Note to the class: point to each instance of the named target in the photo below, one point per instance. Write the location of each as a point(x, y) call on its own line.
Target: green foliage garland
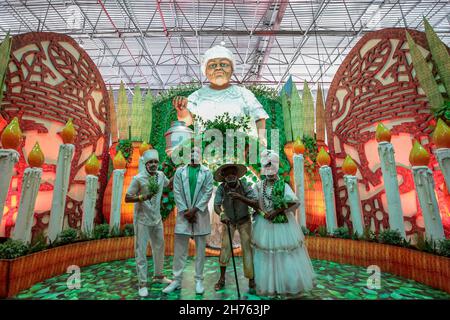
point(279, 201)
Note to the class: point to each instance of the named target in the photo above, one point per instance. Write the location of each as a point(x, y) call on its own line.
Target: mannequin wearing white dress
point(281, 262)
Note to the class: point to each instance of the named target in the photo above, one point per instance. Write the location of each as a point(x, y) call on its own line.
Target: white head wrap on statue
point(270, 162)
point(216, 52)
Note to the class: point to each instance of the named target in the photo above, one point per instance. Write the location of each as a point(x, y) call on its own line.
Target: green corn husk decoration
point(136, 115)
point(113, 117)
point(439, 54)
point(320, 116)
point(5, 51)
point(297, 113)
point(308, 106)
point(424, 74)
point(147, 116)
point(122, 113)
point(286, 116)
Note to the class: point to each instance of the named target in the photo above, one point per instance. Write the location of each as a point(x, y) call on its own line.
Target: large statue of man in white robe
point(215, 99)
point(220, 96)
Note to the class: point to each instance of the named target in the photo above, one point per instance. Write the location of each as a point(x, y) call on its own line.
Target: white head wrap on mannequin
point(147, 156)
point(215, 53)
point(269, 157)
point(151, 154)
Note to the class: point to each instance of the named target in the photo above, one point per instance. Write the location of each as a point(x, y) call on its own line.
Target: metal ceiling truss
point(158, 44)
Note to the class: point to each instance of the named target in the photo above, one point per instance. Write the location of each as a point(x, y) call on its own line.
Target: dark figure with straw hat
point(235, 215)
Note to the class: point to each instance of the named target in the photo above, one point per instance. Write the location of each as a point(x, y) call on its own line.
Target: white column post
point(389, 171)
point(328, 192)
point(299, 180)
point(60, 190)
point(90, 198)
point(355, 203)
point(8, 158)
point(424, 182)
point(25, 217)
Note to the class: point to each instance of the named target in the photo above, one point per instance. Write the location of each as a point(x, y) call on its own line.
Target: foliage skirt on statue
point(281, 262)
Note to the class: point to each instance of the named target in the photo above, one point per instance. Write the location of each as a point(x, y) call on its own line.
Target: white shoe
point(199, 287)
point(162, 280)
point(143, 292)
point(175, 285)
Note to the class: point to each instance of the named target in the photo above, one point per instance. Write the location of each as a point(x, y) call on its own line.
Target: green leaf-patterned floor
point(117, 280)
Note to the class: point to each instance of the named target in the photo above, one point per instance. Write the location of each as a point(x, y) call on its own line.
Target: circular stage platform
point(117, 280)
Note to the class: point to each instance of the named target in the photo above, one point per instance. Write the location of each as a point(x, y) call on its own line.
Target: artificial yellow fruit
point(36, 156)
point(92, 165)
point(441, 135)
point(349, 166)
point(119, 161)
point(382, 133)
point(299, 147)
point(418, 155)
point(323, 158)
point(144, 147)
point(12, 135)
point(68, 133)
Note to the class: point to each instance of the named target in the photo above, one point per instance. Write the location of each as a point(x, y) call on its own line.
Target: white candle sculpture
point(299, 179)
point(25, 217)
point(116, 203)
point(424, 182)
point(10, 139)
point(328, 189)
point(92, 168)
point(90, 198)
point(30, 187)
point(349, 167)
point(60, 190)
point(119, 163)
point(389, 171)
point(441, 138)
point(8, 158)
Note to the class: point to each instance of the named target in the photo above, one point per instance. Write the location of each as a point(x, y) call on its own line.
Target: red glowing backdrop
point(376, 83)
point(51, 78)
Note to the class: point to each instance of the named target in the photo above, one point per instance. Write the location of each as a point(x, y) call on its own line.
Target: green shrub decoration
point(306, 231)
point(12, 249)
point(38, 244)
point(444, 248)
point(101, 231)
point(342, 232)
point(369, 235)
point(391, 237)
point(128, 230)
point(322, 231)
point(67, 236)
